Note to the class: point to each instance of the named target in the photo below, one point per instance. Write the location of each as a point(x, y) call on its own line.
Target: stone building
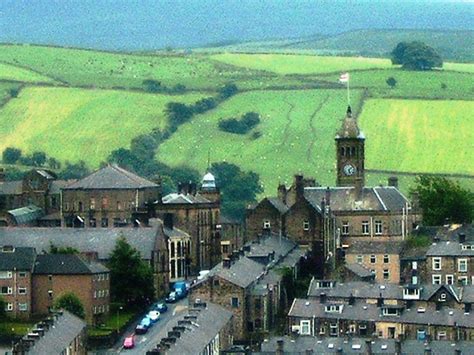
point(381, 259)
point(205, 329)
point(196, 212)
point(39, 188)
point(109, 197)
point(60, 333)
point(57, 274)
point(231, 235)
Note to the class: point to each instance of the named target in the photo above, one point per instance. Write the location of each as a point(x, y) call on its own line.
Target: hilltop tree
point(71, 303)
point(11, 155)
point(444, 200)
point(131, 278)
point(38, 158)
point(416, 56)
point(392, 82)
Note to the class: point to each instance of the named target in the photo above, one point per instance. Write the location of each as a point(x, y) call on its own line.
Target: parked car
point(146, 322)
point(203, 274)
point(160, 307)
point(172, 297)
point(154, 316)
point(129, 342)
point(140, 329)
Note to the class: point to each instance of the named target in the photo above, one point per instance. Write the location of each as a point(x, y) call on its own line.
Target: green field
point(298, 129)
point(11, 72)
point(300, 64)
point(419, 135)
point(74, 124)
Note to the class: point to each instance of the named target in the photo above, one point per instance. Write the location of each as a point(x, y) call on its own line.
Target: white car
point(153, 315)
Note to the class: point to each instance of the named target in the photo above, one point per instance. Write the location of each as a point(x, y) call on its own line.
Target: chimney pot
point(393, 181)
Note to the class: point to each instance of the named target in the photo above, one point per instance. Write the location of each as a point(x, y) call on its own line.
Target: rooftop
point(66, 264)
point(16, 258)
point(111, 177)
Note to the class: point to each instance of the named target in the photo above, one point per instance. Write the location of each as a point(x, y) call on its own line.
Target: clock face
point(349, 169)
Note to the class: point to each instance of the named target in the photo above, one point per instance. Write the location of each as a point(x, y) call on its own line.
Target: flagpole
point(348, 93)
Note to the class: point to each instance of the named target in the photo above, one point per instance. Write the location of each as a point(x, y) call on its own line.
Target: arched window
point(343, 151)
point(353, 151)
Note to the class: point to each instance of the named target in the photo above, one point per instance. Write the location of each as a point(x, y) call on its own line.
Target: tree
point(38, 158)
point(228, 90)
point(152, 85)
point(53, 249)
point(131, 278)
point(74, 170)
point(143, 147)
point(13, 92)
point(392, 82)
point(416, 56)
point(178, 113)
point(203, 105)
point(238, 188)
point(123, 157)
point(71, 303)
point(54, 163)
point(444, 200)
point(11, 155)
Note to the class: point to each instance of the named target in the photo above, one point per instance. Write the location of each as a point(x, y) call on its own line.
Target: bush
point(416, 56)
point(228, 90)
point(242, 126)
point(13, 92)
point(11, 155)
point(152, 85)
point(71, 303)
point(392, 82)
point(178, 113)
point(204, 105)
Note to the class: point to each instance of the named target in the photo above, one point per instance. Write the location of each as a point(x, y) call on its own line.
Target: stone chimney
point(359, 185)
point(368, 347)
point(282, 193)
point(299, 186)
point(279, 348)
point(327, 196)
point(393, 181)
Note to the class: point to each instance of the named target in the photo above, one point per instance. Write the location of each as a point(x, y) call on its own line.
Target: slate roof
point(187, 199)
point(243, 272)
point(308, 308)
point(299, 345)
point(11, 187)
point(58, 185)
point(369, 247)
point(381, 198)
point(359, 270)
point(58, 337)
point(20, 258)
point(66, 264)
point(274, 201)
point(264, 246)
point(100, 240)
point(197, 335)
point(111, 177)
point(365, 290)
point(449, 248)
point(26, 214)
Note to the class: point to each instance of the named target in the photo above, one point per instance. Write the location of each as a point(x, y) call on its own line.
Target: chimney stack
point(282, 193)
point(279, 348)
point(393, 181)
point(462, 237)
point(358, 187)
point(328, 197)
point(368, 347)
point(299, 186)
point(168, 220)
point(226, 263)
point(322, 297)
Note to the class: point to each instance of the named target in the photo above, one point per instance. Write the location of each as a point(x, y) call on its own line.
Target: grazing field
point(412, 84)
point(297, 135)
point(78, 67)
point(5, 88)
point(11, 72)
point(300, 64)
point(419, 135)
point(74, 124)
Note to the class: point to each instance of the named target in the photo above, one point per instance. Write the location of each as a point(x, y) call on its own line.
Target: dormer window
point(334, 308)
point(266, 224)
point(411, 293)
point(390, 311)
point(8, 249)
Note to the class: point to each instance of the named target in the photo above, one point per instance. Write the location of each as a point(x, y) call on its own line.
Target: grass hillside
point(419, 135)
point(297, 134)
point(452, 45)
point(300, 64)
point(74, 124)
point(10, 72)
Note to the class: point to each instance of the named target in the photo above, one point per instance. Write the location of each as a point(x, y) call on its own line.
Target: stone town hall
point(329, 220)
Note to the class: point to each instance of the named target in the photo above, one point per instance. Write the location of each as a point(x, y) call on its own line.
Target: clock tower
point(350, 152)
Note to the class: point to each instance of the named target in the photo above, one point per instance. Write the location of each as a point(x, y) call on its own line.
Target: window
point(50, 294)
point(80, 208)
point(436, 279)
point(352, 328)
point(105, 222)
point(119, 206)
point(92, 223)
point(5, 290)
point(414, 265)
point(5, 274)
point(345, 228)
point(266, 224)
point(92, 204)
point(22, 290)
point(462, 280)
point(105, 203)
point(22, 307)
point(22, 274)
point(306, 225)
point(334, 308)
point(436, 263)
point(359, 259)
point(95, 294)
point(66, 206)
point(378, 227)
point(390, 312)
point(449, 279)
point(333, 329)
point(234, 302)
point(441, 336)
point(305, 326)
point(9, 307)
point(386, 274)
point(462, 265)
point(373, 259)
point(386, 259)
point(215, 282)
point(225, 248)
point(365, 227)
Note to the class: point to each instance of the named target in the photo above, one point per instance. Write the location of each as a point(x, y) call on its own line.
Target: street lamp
point(118, 314)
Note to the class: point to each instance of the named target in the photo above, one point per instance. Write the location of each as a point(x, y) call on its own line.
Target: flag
point(344, 78)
